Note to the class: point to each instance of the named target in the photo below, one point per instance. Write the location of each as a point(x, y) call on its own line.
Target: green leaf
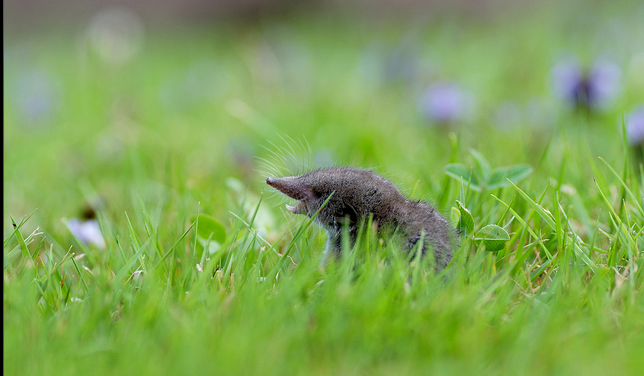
point(519, 172)
point(210, 233)
point(500, 176)
point(482, 165)
point(209, 228)
point(465, 219)
point(21, 240)
point(493, 237)
point(455, 217)
point(463, 174)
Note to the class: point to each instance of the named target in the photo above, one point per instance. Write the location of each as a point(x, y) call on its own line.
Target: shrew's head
point(353, 194)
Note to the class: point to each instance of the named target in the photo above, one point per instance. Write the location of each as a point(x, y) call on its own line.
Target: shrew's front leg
point(333, 249)
point(334, 244)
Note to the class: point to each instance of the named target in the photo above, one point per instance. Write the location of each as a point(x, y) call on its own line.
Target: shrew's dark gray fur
point(356, 195)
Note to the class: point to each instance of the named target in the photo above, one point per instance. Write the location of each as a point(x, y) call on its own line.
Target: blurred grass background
point(86, 97)
point(153, 107)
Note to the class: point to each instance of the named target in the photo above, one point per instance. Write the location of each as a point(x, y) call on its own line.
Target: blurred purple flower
point(201, 82)
point(241, 150)
point(291, 58)
point(445, 103)
point(36, 95)
point(390, 65)
point(116, 34)
point(401, 66)
point(635, 127)
point(88, 232)
point(588, 89)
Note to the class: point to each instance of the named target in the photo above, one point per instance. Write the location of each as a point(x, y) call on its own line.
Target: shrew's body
point(358, 194)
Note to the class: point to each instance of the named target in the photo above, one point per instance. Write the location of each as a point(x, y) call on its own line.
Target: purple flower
point(445, 103)
point(36, 95)
point(401, 66)
point(88, 232)
point(202, 81)
point(116, 34)
point(390, 64)
point(588, 89)
point(635, 127)
point(241, 150)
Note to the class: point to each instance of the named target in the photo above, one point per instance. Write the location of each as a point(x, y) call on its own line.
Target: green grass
point(562, 296)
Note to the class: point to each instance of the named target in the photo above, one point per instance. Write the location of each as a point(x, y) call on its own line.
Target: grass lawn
point(164, 140)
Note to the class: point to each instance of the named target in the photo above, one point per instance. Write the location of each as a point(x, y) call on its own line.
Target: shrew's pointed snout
point(291, 187)
point(281, 184)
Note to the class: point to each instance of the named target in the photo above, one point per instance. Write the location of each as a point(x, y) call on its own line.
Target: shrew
point(354, 195)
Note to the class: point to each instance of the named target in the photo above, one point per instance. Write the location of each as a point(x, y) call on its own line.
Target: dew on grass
point(445, 103)
point(586, 88)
